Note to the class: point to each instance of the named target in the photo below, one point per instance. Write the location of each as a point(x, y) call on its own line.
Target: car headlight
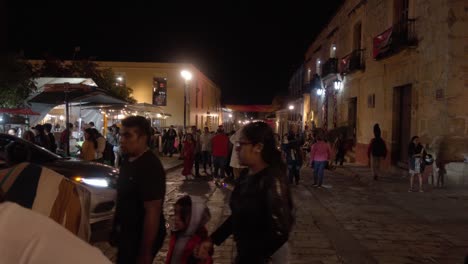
point(95, 182)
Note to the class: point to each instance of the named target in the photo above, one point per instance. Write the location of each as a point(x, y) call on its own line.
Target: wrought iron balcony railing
point(330, 67)
point(352, 62)
point(398, 37)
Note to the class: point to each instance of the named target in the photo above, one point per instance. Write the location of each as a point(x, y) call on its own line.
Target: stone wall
point(436, 70)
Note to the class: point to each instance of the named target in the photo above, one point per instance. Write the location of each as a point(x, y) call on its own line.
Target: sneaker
point(421, 190)
point(314, 185)
point(410, 190)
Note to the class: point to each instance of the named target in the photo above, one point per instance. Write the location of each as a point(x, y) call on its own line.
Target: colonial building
point(400, 63)
point(161, 84)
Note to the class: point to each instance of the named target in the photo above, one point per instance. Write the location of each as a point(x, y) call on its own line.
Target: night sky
point(249, 50)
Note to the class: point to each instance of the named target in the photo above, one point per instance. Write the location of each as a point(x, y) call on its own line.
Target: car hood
point(80, 168)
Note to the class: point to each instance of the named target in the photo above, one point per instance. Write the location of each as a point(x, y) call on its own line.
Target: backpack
point(108, 154)
point(378, 148)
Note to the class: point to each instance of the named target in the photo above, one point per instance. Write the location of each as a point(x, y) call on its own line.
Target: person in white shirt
point(234, 163)
point(28, 237)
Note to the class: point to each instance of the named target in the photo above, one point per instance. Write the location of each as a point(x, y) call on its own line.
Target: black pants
point(197, 161)
point(206, 156)
point(293, 171)
point(339, 157)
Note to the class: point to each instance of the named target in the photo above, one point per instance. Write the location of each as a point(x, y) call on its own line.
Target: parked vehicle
point(98, 178)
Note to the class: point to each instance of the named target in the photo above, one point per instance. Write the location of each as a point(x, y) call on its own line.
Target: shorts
point(415, 166)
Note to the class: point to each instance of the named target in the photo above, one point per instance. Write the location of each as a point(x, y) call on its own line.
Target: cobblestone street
point(351, 220)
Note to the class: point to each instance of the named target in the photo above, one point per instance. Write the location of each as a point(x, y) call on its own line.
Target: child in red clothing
point(189, 231)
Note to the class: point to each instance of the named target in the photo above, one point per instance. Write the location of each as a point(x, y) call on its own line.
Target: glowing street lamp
point(187, 77)
point(291, 107)
point(319, 91)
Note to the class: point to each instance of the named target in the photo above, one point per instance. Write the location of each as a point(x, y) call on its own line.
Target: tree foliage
point(16, 80)
point(104, 78)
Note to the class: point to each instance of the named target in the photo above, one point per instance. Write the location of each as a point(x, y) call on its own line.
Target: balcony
point(352, 62)
point(330, 67)
point(395, 39)
point(314, 83)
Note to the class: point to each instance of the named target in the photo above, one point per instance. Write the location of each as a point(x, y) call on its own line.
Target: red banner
point(382, 42)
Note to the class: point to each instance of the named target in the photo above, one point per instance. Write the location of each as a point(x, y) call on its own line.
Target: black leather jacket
point(261, 216)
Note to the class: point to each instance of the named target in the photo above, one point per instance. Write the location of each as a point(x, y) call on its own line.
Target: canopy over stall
point(56, 91)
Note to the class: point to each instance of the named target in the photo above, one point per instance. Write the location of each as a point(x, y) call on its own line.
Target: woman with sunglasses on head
point(261, 205)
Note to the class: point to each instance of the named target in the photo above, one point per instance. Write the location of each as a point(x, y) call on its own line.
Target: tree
point(104, 78)
point(16, 80)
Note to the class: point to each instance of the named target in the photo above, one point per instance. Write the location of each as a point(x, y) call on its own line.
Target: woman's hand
point(204, 250)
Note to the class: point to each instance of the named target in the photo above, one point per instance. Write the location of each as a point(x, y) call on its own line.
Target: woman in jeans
point(320, 153)
point(261, 204)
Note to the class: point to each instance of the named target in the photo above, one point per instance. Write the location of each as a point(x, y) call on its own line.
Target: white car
point(98, 178)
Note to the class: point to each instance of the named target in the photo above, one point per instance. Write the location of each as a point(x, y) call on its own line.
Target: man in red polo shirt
point(220, 148)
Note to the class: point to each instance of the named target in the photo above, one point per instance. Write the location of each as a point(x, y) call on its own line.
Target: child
point(189, 231)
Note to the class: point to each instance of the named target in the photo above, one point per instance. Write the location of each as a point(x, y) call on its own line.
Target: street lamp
point(291, 107)
point(187, 77)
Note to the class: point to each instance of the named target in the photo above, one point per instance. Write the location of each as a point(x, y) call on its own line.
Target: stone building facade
point(402, 64)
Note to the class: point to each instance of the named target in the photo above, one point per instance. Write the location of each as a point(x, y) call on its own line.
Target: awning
point(253, 108)
point(18, 111)
point(55, 91)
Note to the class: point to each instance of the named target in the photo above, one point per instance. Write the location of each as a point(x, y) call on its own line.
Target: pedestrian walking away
point(291, 148)
point(189, 155)
point(220, 148)
point(197, 150)
point(139, 225)
point(206, 149)
point(339, 148)
point(261, 205)
point(377, 152)
point(320, 154)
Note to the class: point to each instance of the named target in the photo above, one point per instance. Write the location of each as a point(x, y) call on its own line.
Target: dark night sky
point(249, 50)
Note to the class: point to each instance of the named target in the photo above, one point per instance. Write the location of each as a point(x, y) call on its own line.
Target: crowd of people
point(263, 165)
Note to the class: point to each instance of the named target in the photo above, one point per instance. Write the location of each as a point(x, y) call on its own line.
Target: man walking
point(220, 148)
point(206, 148)
point(377, 152)
point(170, 140)
point(198, 154)
point(139, 224)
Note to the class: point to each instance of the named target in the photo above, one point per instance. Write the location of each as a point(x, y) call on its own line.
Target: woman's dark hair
point(185, 204)
point(261, 132)
point(93, 136)
point(413, 138)
point(191, 137)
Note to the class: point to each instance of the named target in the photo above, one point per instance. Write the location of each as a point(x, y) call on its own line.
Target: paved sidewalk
point(353, 220)
point(390, 224)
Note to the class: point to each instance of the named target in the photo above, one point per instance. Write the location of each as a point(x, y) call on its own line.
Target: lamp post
point(187, 77)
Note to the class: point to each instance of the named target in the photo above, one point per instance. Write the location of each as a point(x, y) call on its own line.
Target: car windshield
point(38, 154)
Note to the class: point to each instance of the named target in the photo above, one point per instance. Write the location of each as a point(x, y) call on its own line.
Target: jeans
point(219, 163)
point(319, 167)
point(293, 171)
point(206, 156)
